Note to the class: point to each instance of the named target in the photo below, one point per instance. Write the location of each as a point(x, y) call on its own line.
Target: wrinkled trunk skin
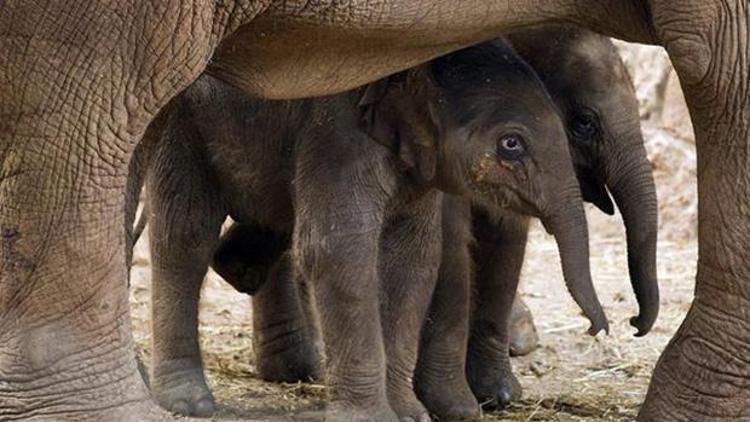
point(703, 372)
point(631, 182)
point(568, 224)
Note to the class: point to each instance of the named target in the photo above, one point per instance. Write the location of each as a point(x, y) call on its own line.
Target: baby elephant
point(590, 85)
point(355, 181)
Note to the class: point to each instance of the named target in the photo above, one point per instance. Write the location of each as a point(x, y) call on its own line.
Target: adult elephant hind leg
point(185, 220)
point(440, 378)
point(284, 333)
point(499, 256)
point(704, 371)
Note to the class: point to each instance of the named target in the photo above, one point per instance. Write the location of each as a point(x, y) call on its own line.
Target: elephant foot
point(523, 335)
point(344, 411)
point(409, 409)
point(290, 365)
point(146, 411)
point(700, 375)
point(494, 388)
point(179, 386)
point(422, 417)
point(447, 397)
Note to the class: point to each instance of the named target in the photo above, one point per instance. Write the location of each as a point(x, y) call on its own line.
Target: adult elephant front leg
point(335, 243)
point(75, 101)
point(409, 262)
point(703, 373)
point(66, 350)
point(499, 254)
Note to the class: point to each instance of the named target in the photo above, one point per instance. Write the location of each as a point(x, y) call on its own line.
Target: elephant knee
point(342, 270)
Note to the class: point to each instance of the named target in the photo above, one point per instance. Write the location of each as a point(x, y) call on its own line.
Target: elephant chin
point(595, 192)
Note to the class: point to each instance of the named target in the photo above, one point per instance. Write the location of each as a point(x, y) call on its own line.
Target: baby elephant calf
point(355, 182)
point(588, 82)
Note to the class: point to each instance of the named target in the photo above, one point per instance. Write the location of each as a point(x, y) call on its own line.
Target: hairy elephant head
point(590, 85)
point(479, 123)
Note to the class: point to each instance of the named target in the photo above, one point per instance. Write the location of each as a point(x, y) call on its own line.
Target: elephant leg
point(704, 371)
point(66, 348)
point(185, 221)
point(335, 245)
point(409, 262)
point(76, 99)
point(523, 335)
point(499, 253)
point(440, 379)
point(284, 331)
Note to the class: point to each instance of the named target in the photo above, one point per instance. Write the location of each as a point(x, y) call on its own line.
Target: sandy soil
point(570, 377)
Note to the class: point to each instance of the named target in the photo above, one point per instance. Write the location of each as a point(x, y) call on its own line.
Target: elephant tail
point(140, 226)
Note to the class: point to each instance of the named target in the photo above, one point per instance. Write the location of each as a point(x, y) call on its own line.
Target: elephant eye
point(584, 126)
point(511, 147)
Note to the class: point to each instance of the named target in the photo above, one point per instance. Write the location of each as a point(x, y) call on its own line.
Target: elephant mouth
point(595, 191)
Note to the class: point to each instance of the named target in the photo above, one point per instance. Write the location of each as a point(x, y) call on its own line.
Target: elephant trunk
point(629, 177)
point(568, 224)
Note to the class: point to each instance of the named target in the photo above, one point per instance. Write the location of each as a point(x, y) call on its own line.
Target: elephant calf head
point(479, 123)
point(590, 85)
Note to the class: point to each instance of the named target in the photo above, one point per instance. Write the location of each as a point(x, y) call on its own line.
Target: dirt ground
point(570, 377)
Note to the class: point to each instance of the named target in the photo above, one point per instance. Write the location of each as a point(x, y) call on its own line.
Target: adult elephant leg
point(499, 256)
point(704, 373)
point(284, 328)
point(440, 378)
point(66, 350)
point(185, 220)
point(76, 99)
point(409, 261)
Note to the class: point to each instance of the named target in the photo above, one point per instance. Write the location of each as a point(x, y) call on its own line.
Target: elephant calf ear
point(399, 112)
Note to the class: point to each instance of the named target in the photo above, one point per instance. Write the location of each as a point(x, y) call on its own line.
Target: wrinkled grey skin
point(82, 80)
point(590, 85)
point(391, 233)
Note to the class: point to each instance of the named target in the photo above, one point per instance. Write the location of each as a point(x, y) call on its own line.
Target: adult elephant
point(82, 79)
